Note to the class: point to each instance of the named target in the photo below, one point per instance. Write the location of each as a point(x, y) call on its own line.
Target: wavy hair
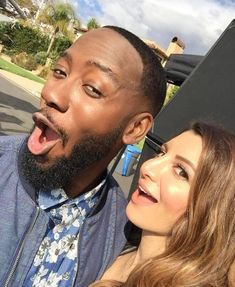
point(201, 250)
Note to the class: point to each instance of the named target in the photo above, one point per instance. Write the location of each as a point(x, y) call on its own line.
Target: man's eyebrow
point(104, 69)
point(65, 55)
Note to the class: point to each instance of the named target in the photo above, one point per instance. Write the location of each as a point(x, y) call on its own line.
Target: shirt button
point(56, 236)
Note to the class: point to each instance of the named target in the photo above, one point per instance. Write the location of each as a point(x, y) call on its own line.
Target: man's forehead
point(101, 41)
point(100, 32)
point(110, 52)
point(110, 39)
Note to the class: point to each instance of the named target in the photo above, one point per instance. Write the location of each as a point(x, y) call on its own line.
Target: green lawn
point(5, 65)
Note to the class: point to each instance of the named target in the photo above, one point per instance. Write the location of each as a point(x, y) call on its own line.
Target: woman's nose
point(55, 96)
point(153, 168)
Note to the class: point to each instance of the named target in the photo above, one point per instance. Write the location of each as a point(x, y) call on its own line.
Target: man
point(61, 216)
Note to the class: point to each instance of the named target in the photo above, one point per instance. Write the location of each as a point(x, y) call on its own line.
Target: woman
point(185, 206)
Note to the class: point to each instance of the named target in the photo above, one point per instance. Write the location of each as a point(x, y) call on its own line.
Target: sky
point(198, 23)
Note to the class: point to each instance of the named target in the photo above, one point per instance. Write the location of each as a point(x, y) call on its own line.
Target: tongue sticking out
point(42, 140)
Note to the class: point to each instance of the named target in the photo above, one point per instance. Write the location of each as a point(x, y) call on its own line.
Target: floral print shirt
point(55, 263)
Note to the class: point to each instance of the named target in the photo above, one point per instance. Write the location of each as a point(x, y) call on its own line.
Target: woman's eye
point(92, 91)
point(180, 170)
point(58, 73)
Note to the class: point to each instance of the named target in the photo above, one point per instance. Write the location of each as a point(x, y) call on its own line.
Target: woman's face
point(164, 184)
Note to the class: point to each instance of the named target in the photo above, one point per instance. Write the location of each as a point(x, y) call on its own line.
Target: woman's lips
point(44, 137)
point(142, 197)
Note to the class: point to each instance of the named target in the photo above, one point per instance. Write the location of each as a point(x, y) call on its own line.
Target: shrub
point(5, 34)
point(44, 73)
point(41, 58)
point(61, 44)
point(54, 57)
point(18, 38)
point(25, 61)
point(23, 38)
point(172, 89)
point(8, 52)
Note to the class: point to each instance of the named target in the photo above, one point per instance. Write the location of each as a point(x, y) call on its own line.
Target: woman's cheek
point(175, 197)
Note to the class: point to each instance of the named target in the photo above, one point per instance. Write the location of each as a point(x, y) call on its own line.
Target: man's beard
point(85, 152)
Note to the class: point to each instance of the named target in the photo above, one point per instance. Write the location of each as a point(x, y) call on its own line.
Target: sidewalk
point(30, 86)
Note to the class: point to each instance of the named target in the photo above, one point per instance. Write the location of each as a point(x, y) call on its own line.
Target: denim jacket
point(23, 224)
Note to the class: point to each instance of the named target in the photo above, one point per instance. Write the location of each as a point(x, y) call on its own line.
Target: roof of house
point(157, 48)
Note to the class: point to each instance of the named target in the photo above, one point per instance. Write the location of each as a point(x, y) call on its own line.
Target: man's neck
point(84, 182)
point(90, 177)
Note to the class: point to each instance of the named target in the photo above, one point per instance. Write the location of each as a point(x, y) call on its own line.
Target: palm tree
point(92, 24)
point(18, 9)
point(59, 16)
point(29, 5)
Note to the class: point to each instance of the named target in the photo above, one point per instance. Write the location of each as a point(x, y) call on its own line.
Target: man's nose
point(55, 96)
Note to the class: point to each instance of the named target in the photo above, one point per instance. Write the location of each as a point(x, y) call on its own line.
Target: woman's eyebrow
point(186, 161)
point(165, 147)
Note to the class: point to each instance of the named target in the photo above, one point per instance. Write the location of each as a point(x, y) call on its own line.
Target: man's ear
point(137, 128)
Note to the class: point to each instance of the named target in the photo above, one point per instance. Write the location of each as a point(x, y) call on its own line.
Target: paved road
point(16, 108)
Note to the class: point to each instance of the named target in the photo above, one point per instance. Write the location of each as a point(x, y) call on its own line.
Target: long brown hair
point(201, 250)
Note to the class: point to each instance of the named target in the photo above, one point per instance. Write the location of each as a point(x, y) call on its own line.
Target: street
point(16, 108)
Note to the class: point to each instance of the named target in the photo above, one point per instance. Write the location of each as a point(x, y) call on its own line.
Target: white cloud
point(198, 23)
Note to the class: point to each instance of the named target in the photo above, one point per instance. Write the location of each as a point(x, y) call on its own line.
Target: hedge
point(17, 38)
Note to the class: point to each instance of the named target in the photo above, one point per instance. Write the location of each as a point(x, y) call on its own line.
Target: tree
point(17, 8)
point(29, 5)
point(59, 16)
point(92, 24)
point(76, 24)
point(171, 90)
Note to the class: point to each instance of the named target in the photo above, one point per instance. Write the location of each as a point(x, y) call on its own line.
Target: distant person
point(61, 215)
point(184, 204)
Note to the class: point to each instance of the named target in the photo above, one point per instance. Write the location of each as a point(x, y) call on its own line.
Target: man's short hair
point(153, 81)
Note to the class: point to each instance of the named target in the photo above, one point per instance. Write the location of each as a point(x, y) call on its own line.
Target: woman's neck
point(151, 245)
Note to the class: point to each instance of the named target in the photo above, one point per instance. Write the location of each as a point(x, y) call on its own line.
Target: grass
point(7, 66)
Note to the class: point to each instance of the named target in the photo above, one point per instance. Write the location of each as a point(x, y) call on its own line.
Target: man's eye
point(92, 91)
point(58, 73)
point(181, 171)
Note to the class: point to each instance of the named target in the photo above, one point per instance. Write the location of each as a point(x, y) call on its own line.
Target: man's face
point(91, 93)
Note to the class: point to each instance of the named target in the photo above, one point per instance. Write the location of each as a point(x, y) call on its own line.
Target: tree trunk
point(51, 44)
point(17, 8)
point(52, 40)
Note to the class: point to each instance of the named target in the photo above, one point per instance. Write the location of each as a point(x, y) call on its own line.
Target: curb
point(34, 94)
